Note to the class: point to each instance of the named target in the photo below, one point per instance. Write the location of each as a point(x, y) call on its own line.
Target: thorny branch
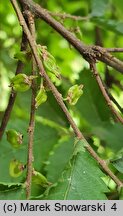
point(58, 96)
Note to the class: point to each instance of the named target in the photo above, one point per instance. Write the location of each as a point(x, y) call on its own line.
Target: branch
point(32, 115)
point(109, 79)
point(68, 16)
point(114, 101)
point(90, 53)
point(13, 95)
point(99, 41)
point(58, 97)
point(114, 49)
point(103, 90)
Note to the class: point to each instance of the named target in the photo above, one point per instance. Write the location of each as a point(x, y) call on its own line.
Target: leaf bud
point(74, 94)
point(21, 82)
point(39, 179)
point(16, 168)
point(41, 97)
point(14, 138)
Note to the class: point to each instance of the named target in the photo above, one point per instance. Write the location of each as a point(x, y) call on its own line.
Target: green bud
point(78, 33)
point(39, 179)
point(14, 138)
point(41, 97)
point(23, 56)
point(54, 79)
point(74, 94)
point(21, 82)
point(49, 61)
point(16, 168)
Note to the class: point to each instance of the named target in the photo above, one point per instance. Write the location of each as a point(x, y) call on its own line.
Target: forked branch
point(93, 52)
point(58, 96)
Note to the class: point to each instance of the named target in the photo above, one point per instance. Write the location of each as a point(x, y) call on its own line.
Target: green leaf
point(49, 110)
point(21, 55)
point(45, 138)
point(111, 134)
point(99, 7)
point(121, 194)
point(81, 180)
point(109, 24)
point(8, 153)
point(79, 146)
point(118, 164)
point(58, 158)
point(119, 5)
point(92, 106)
point(94, 110)
point(52, 111)
point(12, 191)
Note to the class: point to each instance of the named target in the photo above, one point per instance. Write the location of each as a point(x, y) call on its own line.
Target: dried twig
point(13, 95)
point(58, 96)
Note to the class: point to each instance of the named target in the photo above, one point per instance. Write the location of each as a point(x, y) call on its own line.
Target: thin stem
point(108, 77)
point(32, 116)
point(58, 97)
point(112, 98)
point(68, 16)
point(114, 49)
point(114, 101)
point(13, 95)
point(103, 90)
